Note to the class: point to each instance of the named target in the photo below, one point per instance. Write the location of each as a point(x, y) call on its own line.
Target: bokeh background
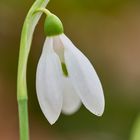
point(108, 32)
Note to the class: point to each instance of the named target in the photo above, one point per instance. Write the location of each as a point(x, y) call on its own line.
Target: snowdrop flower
point(65, 78)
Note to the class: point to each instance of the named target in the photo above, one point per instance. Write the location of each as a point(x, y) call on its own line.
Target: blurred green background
point(108, 32)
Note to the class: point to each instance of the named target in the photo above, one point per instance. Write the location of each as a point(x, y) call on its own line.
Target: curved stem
point(25, 45)
point(44, 10)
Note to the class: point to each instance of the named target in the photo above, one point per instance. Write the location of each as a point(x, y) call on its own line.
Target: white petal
point(71, 101)
point(84, 78)
point(48, 82)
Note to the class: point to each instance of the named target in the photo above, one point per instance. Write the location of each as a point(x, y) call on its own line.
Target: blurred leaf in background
point(135, 135)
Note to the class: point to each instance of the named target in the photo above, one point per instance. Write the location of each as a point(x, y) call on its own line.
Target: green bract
point(53, 26)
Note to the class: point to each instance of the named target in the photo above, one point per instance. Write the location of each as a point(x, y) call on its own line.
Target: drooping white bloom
point(64, 90)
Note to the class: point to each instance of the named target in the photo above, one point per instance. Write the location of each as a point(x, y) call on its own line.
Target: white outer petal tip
point(48, 83)
point(84, 78)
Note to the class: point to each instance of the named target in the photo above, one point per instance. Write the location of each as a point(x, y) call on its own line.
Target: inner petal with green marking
point(59, 50)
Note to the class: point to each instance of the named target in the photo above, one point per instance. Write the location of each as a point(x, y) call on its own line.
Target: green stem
point(23, 121)
point(25, 45)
